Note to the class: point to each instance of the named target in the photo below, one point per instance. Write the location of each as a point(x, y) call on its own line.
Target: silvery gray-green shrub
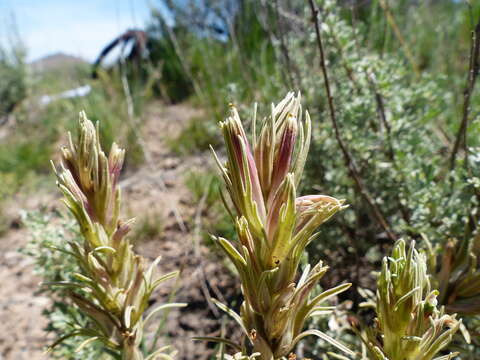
point(409, 324)
point(274, 225)
point(115, 284)
point(54, 231)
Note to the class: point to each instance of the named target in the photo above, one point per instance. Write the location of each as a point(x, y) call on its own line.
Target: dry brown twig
point(197, 234)
point(291, 69)
point(382, 114)
point(473, 69)
point(349, 161)
point(401, 39)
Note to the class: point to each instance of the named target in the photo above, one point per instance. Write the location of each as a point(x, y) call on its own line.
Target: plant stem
point(473, 70)
point(347, 156)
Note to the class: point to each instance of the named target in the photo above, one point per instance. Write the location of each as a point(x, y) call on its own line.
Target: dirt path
point(156, 189)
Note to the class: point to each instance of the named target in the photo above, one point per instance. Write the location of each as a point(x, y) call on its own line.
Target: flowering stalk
point(274, 226)
point(114, 282)
point(409, 325)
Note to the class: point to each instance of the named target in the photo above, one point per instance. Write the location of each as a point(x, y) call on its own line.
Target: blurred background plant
point(13, 71)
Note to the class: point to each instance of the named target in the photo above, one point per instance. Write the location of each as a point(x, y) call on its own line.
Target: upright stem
point(346, 154)
point(473, 70)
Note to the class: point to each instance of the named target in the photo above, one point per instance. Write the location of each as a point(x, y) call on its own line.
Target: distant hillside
point(57, 61)
point(59, 72)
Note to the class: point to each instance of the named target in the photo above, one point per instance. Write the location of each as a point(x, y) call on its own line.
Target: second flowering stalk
point(274, 226)
point(409, 324)
point(113, 286)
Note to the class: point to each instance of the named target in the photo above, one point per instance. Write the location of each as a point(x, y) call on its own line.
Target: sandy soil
point(157, 187)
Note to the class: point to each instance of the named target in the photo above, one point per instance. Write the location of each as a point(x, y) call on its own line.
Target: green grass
point(196, 137)
point(148, 227)
point(205, 189)
point(13, 72)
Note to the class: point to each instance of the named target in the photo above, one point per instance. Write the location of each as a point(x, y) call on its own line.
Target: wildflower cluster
point(409, 325)
point(274, 226)
point(113, 286)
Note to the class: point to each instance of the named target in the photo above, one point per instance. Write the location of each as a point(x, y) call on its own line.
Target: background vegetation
point(399, 81)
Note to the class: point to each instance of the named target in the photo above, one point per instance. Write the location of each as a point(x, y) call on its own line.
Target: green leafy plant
point(13, 71)
point(54, 231)
point(409, 324)
point(114, 283)
point(274, 226)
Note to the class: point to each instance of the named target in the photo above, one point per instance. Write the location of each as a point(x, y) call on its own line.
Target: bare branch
point(381, 113)
point(474, 67)
point(346, 154)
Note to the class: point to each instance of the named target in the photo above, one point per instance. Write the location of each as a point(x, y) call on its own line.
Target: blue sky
point(78, 28)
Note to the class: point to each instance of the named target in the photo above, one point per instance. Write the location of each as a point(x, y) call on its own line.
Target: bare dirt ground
point(156, 188)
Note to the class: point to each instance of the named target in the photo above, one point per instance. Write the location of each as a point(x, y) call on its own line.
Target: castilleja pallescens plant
point(274, 226)
point(409, 324)
point(114, 285)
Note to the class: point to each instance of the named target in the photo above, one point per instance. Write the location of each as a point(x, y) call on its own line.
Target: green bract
point(274, 226)
point(116, 285)
point(409, 325)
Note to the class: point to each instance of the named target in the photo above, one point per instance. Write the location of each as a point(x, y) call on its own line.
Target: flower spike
point(115, 282)
point(409, 325)
point(274, 226)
